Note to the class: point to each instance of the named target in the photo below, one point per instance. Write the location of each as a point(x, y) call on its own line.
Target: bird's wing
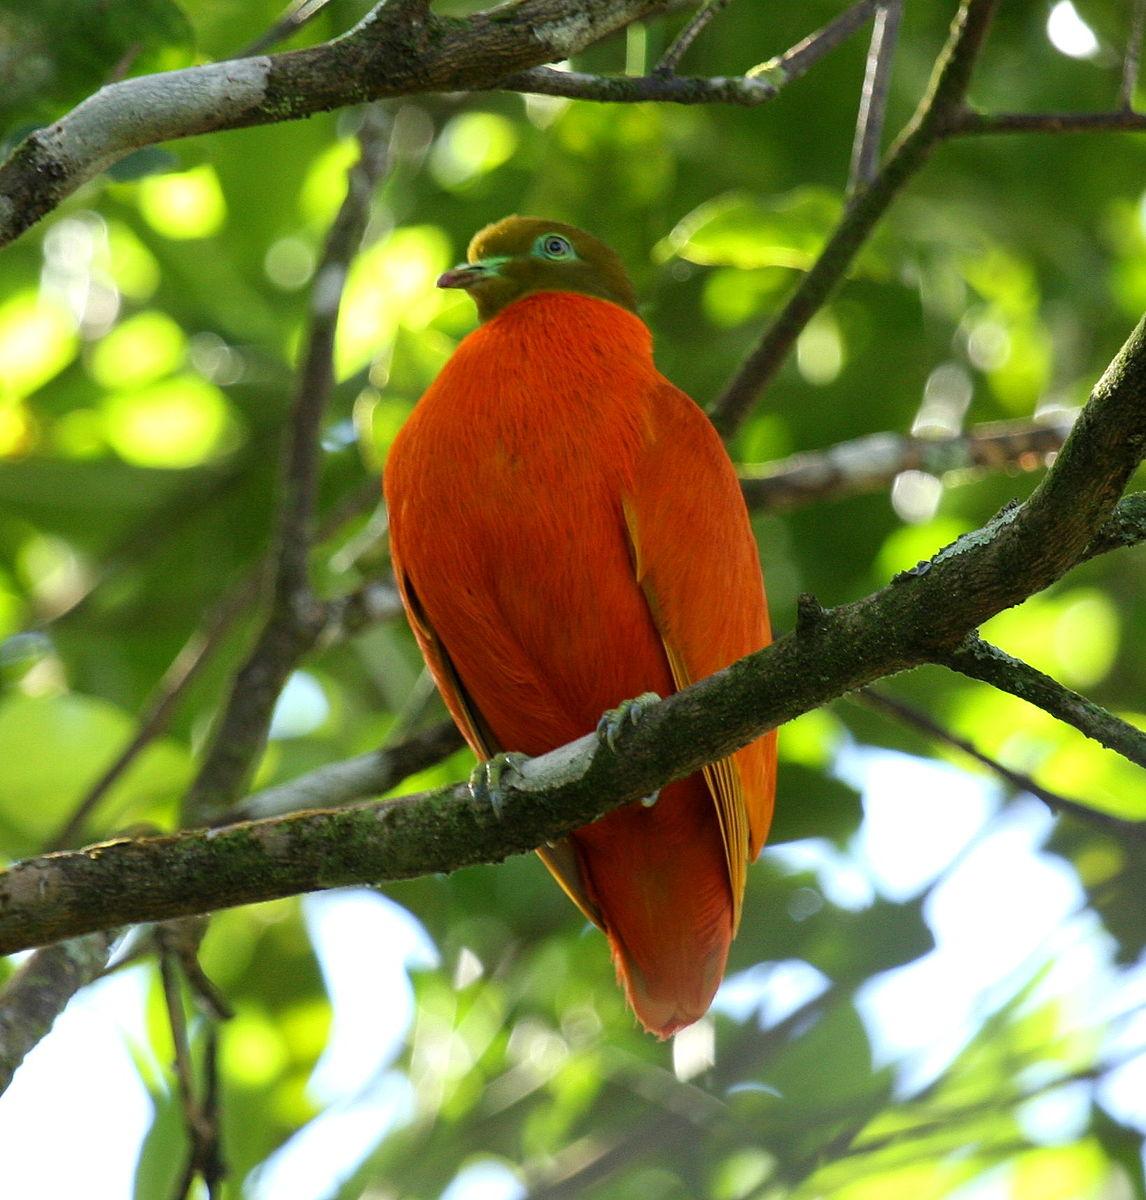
point(696, 561)
point(559, 857)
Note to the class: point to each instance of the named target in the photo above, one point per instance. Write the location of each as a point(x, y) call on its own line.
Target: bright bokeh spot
point(178, 423)
point(15, 430)
point(1073, 636)
point(324, 187)
point(139, 351)
point(301, 708)
point(913, 544)
point(915, 496)
point(820, 350)
point(1069, 33)
point(484, 1180)
point(254, 1051)
point(471, 145)
point(186, 205)
point(37, 341)
point(391, 283)
point(132, 266)
point(811, 739)
point(289, 263)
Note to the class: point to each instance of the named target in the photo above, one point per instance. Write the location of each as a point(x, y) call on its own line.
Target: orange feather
point(568, 532)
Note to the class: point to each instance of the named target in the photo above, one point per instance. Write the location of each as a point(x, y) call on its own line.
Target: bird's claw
point(628, 712)
point(486, 779)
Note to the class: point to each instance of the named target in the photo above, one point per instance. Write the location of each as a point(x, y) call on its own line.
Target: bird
point(567, 533)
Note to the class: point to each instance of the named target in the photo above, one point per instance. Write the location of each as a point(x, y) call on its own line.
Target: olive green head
point(517, 256)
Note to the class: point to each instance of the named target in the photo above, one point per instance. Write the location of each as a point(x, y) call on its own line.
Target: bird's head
point(517, 256)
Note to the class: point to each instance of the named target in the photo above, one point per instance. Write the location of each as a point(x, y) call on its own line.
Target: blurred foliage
point(149, 333)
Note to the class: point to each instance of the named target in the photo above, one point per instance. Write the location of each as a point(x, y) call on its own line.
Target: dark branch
point(670, 60)
point(629, 89)
point(980, 660)
point(969, 122)
point(908, 714)
point(944, 97)
point(758, 85)
point(297, 617)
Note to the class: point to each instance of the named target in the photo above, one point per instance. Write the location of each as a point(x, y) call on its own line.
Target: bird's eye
point(553, 245)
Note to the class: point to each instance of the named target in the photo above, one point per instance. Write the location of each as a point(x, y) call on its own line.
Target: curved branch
point(920, 617)
point(399, 48)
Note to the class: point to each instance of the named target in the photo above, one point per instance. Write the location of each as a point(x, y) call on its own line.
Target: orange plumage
point(568, 532)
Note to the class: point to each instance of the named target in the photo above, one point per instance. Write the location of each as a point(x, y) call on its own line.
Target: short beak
point(466, 275)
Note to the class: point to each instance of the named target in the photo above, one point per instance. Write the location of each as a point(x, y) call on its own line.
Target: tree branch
point(37, 993)
point(873, 101)
point(970, 122)
point(980, 660)
point(871, 463)
point(399, 48)
point(909, 715)
point(1125, 527)
point(745, 90)
point(297, 617)
point(945, 97)
point(921, 616)
point(339, 783)
point(670, 60)
point(758, 85)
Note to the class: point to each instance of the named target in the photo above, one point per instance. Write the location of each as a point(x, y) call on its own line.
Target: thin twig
point(296, 618)
point(970, 122)
point(873, 100)
point(338, 783)
point(758, 85)
point(201, 1117)
point(1125, 527)
point(927, 127)
point(980, 660)
point(908, 714)
point(1131, 60)
point(185, 668)
point(298, 13)
point(670, 60)
point(795, 62)
point(871, 463)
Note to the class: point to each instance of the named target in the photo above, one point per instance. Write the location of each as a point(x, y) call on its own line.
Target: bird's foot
point(628, 712)
point(487, 778)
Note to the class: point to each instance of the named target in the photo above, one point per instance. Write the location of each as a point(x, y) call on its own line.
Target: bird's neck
point(579, 332)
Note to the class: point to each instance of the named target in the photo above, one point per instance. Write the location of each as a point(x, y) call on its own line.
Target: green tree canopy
point(894, 318)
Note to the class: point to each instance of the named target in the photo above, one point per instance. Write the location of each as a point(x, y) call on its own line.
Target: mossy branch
point(921, 616)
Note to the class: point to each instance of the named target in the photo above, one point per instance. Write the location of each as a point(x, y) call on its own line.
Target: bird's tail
point(660, 880)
